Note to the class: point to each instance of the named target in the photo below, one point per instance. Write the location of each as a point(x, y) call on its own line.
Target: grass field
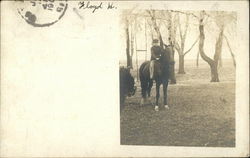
point(201, 113)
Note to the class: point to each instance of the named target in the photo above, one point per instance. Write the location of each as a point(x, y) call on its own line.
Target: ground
point(201, 113)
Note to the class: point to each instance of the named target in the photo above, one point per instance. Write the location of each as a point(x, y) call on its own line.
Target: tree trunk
point(171, 38)
point(131, 43)
point(181, 64)
point(217, 57)
point(220, 61)
point(218, 48)
point(212, 63)
point(214, 73)
point(172, 73)
point(129, 59)
point(172, 67)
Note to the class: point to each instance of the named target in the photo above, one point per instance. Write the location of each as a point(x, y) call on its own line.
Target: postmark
point(42, 13)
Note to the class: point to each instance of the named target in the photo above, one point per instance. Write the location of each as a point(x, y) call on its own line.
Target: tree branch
point(231, 52)
point(192, 45)
point(186, 13)
point(186, 27)
point(201, 43)
point(149, 12)
point(179, 26)
point(152, 14)
point(177, 47)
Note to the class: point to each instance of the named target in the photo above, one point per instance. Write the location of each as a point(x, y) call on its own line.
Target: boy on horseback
point(156, 51)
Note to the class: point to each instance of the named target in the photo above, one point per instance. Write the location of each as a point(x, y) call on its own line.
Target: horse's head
point(127, 83)
point(130, 84)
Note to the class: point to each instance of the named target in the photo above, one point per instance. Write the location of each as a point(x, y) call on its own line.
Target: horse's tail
point(141, 75)
point(143, 79)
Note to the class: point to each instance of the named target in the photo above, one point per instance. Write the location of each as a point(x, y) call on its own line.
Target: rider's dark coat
point(156, 51)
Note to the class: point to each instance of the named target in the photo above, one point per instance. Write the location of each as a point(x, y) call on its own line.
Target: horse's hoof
point(156, 108)
point(166, 107)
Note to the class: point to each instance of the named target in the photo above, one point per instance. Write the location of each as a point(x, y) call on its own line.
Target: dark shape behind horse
point(127, 85)
point(161, 76)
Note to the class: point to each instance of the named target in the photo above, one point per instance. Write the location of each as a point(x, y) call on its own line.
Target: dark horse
point(161, 76)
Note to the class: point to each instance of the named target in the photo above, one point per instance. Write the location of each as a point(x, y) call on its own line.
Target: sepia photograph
point(124, 78)
point(178, 77)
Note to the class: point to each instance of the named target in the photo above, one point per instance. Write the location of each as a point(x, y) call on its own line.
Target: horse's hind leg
point(149, 91)
point(150, 87)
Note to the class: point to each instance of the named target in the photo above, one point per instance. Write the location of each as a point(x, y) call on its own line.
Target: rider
point(155, 54)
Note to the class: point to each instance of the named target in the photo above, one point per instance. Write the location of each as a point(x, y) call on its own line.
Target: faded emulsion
point(179, 101)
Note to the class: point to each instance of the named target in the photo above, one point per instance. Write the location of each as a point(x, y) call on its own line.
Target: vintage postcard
point(124, 78)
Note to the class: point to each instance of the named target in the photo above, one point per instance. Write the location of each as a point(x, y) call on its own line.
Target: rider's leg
point(151, 69)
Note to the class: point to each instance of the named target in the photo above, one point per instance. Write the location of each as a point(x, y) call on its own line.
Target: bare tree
point(171, 27)
point(181, 47)
point(211, 62)
point(221, 19)
point(230, 19)
point(126, 23)
point(231, 52)
point(127, 20)
point(129, 57)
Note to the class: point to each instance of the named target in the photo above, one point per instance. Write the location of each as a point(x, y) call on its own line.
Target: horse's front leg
point(157, 96)
point(165, 92)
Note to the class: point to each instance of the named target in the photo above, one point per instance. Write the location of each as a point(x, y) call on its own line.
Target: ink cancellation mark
point(42, 13)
